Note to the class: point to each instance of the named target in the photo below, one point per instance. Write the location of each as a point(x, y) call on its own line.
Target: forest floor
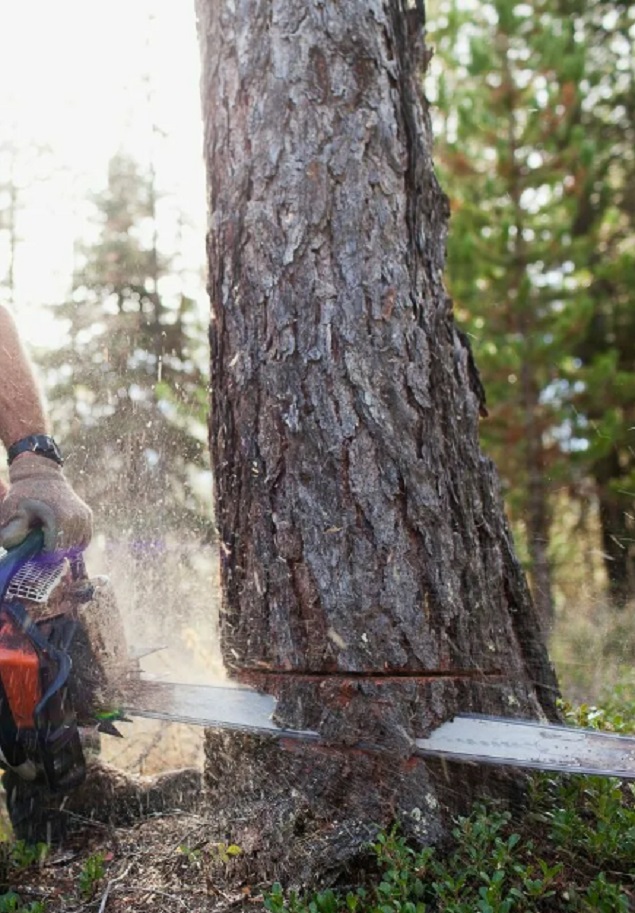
point(160, 864)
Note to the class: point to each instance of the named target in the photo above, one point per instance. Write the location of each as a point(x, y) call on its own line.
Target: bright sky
point(87, 78)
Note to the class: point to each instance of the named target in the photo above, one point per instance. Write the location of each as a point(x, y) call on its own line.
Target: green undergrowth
point(16, 857)
point(572, 849)
point(12, 903)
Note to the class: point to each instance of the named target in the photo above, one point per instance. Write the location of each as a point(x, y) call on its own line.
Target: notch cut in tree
point(369, 578)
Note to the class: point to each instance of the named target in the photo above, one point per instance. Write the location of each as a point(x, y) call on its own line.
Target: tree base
point(304, 815)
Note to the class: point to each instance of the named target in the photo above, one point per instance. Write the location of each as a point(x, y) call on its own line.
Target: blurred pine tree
point(127, 390)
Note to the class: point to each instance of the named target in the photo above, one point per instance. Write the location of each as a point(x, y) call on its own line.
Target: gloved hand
point(39, 495)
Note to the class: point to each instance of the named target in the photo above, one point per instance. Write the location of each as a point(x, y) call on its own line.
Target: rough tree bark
point(369, 578)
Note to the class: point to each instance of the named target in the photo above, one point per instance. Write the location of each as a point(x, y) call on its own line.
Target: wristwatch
point(41, 444)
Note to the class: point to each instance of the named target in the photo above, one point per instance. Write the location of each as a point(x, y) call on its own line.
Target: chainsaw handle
point(16, 556)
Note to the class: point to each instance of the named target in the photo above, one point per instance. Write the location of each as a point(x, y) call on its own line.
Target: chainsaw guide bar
point(524, 743)
point(477, 739)
point(225, 706)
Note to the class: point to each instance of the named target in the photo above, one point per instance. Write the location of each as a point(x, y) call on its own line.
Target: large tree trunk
point(369, 578)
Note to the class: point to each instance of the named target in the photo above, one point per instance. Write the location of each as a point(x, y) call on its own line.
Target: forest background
point(533, 107)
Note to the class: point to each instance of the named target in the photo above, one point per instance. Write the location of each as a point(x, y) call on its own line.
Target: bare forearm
point(21, 405)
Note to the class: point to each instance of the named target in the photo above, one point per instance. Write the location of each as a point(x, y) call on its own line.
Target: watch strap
point(40, 444)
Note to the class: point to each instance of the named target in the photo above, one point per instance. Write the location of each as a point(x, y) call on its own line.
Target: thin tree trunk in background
point(8, 223)
point(617, 533)
point(369, 578)
point(538, 534)
point(537, 519)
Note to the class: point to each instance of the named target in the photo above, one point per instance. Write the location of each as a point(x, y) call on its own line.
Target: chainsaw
point(65, 669)
point(63, 660)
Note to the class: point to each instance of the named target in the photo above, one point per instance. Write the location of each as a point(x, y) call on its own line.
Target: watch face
point(47, 447)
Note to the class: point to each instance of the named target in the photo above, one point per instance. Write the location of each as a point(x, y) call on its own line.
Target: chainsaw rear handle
point(18, 555)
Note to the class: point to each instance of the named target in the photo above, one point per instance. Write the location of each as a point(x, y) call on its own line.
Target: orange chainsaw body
point(19, 672)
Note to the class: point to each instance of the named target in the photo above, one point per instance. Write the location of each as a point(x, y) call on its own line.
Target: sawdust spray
point(168, 594)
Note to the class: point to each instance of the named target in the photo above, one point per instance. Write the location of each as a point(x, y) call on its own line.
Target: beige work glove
point(39, 495)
